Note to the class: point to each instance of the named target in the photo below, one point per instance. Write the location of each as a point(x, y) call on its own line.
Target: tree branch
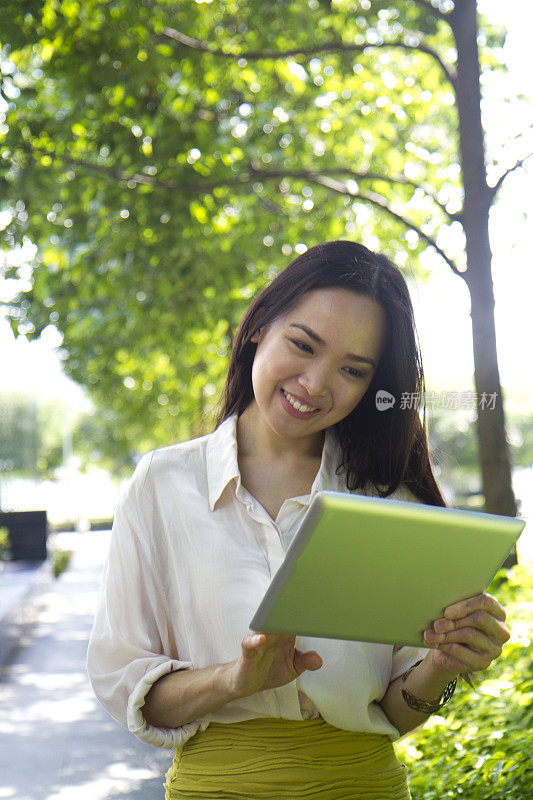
point(270, 206)
point(359, 176)
point(255, 174)
point(205, 47)
point(379, 202)
point(109, 172)
point(320, 178)
point(432, 10)
point(494, 189)
point(409, 224)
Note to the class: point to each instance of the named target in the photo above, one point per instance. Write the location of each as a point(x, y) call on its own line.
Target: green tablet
point(378, 570)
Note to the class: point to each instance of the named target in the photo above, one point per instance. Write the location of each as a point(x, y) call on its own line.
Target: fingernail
point(431, 636)
point(443, 625)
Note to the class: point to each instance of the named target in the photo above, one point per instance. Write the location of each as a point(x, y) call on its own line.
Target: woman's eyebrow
point(316, 338)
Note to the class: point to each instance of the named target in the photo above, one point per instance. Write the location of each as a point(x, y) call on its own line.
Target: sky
point(441, 305)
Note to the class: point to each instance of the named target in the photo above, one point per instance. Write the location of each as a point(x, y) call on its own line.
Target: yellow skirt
point(282, 759)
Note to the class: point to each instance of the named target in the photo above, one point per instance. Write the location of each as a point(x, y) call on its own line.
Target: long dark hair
point(383, 448)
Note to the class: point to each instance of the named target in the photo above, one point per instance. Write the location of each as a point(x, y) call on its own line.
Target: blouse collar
point(223, 467)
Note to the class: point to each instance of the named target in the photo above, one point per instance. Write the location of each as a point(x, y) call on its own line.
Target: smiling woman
point(204, 525)
point(312, 376)
point(362, 313)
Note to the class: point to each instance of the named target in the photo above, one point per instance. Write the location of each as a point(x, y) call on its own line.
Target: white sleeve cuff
point(404, 658)
point(167, 738)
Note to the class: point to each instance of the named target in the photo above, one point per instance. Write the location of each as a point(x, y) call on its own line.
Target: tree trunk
point(493, 446)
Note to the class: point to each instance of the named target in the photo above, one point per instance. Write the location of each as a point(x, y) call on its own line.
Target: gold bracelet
point(427, 706)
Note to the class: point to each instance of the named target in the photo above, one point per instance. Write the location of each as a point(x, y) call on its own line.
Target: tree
point(20, 437)
point(156, 154)
point(455, 452)
point(31, 437)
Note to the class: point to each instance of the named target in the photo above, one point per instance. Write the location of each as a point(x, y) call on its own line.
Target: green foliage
point(163, 186)
point(520, 430)
point(455, 452)
point(480, 745)
point(454, 449)
point(60, 560)
point(5, 544)
point(31, 435)
point(19, 434)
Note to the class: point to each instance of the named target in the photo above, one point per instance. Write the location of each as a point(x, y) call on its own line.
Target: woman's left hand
point(469, 636)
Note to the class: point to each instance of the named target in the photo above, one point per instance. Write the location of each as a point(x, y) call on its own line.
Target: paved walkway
point(57, 742)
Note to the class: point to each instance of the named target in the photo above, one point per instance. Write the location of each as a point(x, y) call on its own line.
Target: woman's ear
point(258, 335)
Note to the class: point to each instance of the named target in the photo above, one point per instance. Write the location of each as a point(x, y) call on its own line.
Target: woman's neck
point(256, 438)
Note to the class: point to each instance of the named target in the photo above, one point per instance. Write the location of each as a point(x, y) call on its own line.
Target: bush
point(5, 544)
point(60, 560)
point(480, 746)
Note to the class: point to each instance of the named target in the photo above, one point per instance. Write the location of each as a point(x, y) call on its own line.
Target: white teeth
point(298, 406)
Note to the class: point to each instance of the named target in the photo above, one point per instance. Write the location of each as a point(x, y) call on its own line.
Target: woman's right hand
point(269, 660)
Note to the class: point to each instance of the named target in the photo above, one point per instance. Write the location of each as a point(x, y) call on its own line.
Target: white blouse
point(191, 555)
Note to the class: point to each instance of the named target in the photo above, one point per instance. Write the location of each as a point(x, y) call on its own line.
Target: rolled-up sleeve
point(405, 657)
point(125, 653)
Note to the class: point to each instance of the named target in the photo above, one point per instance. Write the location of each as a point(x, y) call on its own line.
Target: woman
point(203, 526)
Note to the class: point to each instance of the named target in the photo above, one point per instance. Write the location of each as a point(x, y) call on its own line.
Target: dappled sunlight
point(49, 631)
point(50, 716)
point(59, 607)
point(117, 777)
point(51, 681)
point(523, 487)
point(63, 710)
point(493, 688)
point(57, 698)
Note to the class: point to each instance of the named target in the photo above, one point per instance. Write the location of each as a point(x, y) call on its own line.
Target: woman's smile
point(295, 407)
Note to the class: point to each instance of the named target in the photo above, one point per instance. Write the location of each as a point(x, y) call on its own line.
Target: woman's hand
point(269, 660)
point(469, 636)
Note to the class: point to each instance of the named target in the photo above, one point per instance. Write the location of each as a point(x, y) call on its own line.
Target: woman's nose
point(315, 382)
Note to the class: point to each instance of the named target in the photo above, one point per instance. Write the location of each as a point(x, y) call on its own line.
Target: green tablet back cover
point(379, 570)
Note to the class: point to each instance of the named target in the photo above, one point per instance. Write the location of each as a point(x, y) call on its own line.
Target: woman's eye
point(354, 372)
point(302, 346)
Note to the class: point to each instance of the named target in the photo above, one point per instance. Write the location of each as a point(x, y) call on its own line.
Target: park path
point(57, 742)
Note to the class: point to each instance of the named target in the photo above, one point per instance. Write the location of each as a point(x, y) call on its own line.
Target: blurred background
point(120, 297)
point(161, 162)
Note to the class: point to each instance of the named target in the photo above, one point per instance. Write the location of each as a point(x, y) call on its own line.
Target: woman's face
point(322, 354)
